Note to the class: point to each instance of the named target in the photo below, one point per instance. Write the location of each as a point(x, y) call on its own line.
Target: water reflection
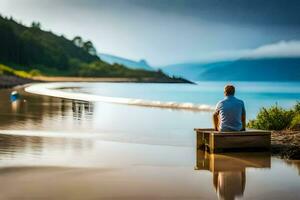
point(119, 122)
point(25, 150)
point(32, 112)
point(229, 170)
point(80, 108)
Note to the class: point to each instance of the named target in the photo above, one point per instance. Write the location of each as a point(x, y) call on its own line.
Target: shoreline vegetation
point(285, 127)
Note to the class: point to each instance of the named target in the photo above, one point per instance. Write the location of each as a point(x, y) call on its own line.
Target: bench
point(215, 141)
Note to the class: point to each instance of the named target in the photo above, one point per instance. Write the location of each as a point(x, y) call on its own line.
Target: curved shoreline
point(52, 89)
point(10, 81)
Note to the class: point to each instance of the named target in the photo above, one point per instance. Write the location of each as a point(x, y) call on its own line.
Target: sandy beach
point(136, 182)
point(88, 183)
point(127, 176)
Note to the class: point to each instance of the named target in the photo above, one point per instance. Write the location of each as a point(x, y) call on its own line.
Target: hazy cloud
point(282, 49)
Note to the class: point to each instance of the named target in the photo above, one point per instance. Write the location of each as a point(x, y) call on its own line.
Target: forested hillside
point(30, 48)
point(35, 51)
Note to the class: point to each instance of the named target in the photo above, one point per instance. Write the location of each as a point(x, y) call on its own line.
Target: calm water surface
point(255, 94)
point(151, 146)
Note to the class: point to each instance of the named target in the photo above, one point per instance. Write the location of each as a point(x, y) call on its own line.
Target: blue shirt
point(230, 111)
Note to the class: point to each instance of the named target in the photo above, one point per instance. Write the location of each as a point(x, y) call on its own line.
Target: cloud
point(281, 49)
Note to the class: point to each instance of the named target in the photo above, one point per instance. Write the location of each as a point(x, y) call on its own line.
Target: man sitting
point(230, 114)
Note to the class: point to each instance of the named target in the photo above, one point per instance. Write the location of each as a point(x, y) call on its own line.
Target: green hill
point(30, 48)
point(35, 51)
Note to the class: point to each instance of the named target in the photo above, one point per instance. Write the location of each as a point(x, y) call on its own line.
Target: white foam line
point(52, 89)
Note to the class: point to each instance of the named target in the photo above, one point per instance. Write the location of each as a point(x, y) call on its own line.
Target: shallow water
point(150, 152)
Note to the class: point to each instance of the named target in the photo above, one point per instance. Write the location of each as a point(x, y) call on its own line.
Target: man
point(230, 114)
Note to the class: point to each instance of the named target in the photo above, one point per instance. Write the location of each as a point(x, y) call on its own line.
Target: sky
point(170, 31)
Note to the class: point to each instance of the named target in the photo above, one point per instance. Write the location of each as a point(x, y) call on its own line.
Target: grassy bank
point(8, 71)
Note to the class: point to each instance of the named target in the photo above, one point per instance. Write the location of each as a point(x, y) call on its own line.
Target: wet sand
point(229, 177)
point(87, 183)
point(286, 144)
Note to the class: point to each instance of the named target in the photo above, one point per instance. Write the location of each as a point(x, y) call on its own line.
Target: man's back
point(230, 111)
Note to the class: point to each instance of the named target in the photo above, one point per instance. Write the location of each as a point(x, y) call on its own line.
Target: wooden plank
point(225, 134)
point(210, 130)
point(220, 141)
point(240, 142)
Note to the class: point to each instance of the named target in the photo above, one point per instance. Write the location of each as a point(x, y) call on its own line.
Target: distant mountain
point(267, 69)
point(142, 64)
point(191, 70)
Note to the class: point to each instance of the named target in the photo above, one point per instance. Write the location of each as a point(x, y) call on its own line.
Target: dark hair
point(229, 90)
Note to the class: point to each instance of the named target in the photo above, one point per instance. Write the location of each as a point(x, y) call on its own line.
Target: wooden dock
point(215, 141)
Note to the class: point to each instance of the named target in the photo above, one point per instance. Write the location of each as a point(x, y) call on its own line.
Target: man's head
point(229, 90)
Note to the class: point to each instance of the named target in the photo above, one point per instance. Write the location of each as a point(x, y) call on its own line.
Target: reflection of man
point(229, 184)
point(229, 170)
point(230, 114)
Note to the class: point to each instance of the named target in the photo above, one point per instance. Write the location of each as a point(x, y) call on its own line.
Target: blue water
point(254, 94)
point(156, 125)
